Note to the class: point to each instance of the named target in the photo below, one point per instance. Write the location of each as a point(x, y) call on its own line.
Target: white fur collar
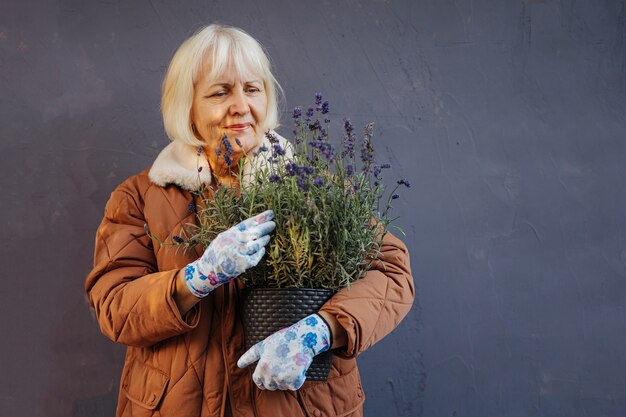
point(178, 164)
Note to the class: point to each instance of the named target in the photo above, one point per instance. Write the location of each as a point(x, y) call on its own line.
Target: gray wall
point(509, 118)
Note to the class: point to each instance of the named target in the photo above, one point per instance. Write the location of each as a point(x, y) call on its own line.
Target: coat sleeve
point(375, 304)
point(133, 301)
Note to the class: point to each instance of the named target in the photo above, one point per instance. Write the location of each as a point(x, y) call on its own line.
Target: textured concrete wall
point(509, 118)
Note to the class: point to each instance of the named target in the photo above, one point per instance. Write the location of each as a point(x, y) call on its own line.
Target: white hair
point(226, 47)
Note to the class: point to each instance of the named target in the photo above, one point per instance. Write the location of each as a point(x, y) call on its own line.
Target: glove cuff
point(329, 331)
point(199, 284)
point(315, 333)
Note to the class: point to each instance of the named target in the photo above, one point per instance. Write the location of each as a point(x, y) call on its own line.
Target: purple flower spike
point(348, 139)
point(318, 99)
point(303, 171)
point(395, 197)
point(309, 113)
point(405, 182)
point(238, 142)
point(325, 107)
point(228, 146)
point(227, 159)
point(315, 126)
point(367, 151)
point(347, 126)
point(192, 208)
point(177, 239)
point(302, 183)
point(271, 137)
point(297, 112)
point(274, 178)
point(200, 149)
point(291, 168)
point(278, 150)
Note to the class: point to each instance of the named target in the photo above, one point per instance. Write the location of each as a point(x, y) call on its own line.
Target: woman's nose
point(239, 104)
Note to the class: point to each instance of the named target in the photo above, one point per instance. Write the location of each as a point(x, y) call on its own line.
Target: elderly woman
point(183, 332)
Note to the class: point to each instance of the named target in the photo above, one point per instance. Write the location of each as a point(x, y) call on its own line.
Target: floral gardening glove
point(285, 356)
point(230, 254)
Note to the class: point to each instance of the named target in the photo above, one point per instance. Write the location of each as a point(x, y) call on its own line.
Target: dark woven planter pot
point(267, 310)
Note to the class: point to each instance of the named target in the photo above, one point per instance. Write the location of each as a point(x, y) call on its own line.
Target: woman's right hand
point(230, 254)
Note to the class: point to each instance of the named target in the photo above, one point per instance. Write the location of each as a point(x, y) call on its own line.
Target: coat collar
point(178, 163)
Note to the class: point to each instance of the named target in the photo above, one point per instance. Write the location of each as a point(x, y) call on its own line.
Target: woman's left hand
point(285, 356)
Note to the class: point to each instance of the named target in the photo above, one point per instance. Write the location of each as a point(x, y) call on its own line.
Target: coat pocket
point(144, 386)
point(339, 396)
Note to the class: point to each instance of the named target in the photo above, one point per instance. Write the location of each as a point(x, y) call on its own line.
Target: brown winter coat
point(184, 366)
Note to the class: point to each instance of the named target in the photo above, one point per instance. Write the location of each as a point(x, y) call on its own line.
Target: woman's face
point(229, 106)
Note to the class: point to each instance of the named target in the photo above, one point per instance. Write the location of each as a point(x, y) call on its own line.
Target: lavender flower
point(315, 126)
point(238, 142)
point(278, 150)
point(405, 182)
point(271, 137)
point(309, 114)
point(302, 183)
point(328, 151)
point(177, 239)
point(227, 145)
point(376, 171)
point(347, 126)
point(319, 182)
point(303, 171)
point(291, 168)
point(348, 139)
point(274, 178)
point(395, 197)
point(297, 113)
point(325, 108)
point(191, 208)
point(199, 169)
point(227, 159)
point(385, 166)
point(263, 148)
point(367, 151)
point(318, 101)
point(200, 149)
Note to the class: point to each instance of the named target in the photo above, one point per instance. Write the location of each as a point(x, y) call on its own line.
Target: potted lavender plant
point(331, 210)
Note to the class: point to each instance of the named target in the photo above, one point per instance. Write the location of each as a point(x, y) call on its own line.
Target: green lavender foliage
point(330, 217)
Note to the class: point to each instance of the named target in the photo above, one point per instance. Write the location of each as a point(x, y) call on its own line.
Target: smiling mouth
point(239, 127)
